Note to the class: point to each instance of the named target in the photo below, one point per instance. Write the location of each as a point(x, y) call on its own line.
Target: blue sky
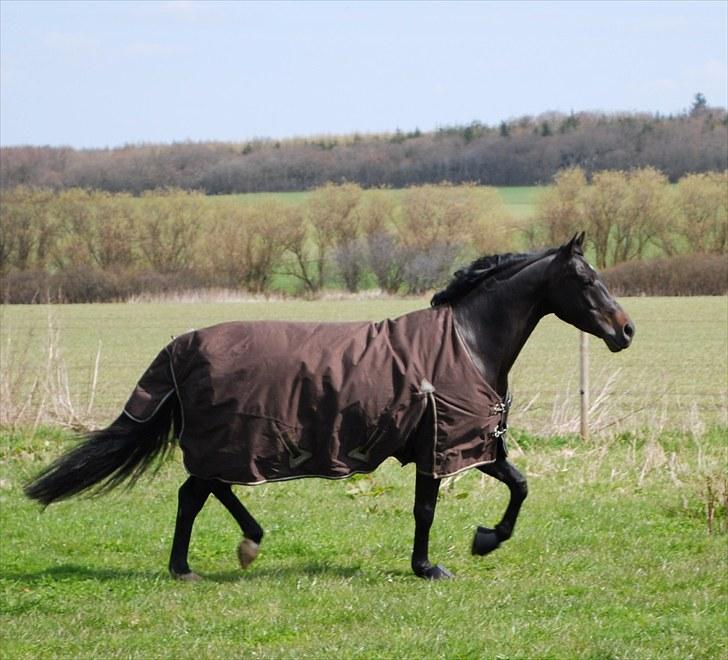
point(96, 74)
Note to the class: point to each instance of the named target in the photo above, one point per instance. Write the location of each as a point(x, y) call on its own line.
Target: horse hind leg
point(252, 531)
point(191, 498)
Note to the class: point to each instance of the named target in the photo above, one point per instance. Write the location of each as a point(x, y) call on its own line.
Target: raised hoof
point(185, 577)
point(247, 552)
point(484, 541)
point(436, 572)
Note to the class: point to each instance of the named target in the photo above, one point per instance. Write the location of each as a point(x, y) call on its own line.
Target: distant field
point(672, 377)
point(519, 200)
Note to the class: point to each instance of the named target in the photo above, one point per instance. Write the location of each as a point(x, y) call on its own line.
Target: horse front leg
point(426, 488)
point(486, 540)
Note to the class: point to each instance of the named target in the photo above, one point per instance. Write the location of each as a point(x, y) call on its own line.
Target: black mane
point(485, 268)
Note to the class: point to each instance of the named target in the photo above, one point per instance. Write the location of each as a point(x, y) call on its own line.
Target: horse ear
point(576, 244)
point(569, 248)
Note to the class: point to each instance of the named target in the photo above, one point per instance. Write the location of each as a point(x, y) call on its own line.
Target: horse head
point(577, 295)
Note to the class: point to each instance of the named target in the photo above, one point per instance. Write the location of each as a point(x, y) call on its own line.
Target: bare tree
point(246, 242)
point(424, 270)
point(334, 222)
point(351, 260)
point(603, 201)
point(300, 264)
point(385, 256)
point(105, 224)
point(29, 228)
point(644, 215)
point(703, 211)
point(387, 259)
point(170, 225)
point(560, 209)
point(329, 220)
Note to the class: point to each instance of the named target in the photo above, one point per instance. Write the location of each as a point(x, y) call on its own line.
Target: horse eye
point(584, 281)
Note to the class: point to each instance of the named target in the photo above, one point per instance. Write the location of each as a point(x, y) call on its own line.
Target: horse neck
point(495, 324)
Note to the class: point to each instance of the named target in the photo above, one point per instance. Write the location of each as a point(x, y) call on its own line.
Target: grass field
point(611, 558)
point(674, 376)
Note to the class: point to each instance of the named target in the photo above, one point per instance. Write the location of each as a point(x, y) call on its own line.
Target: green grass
point(611, 559)
point(521, 200)
point(674, 375)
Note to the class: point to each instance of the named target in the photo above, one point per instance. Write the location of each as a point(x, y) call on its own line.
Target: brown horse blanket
point(265, 401)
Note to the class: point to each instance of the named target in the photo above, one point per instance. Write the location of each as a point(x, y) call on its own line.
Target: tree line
point(82, 245)
point(340, 235)
point(523, 151)
point(631, 215)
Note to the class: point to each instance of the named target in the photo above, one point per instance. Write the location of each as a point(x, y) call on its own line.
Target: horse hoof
point(484, 541)
point(247, 552)
point(438, 572)
point(185, 577)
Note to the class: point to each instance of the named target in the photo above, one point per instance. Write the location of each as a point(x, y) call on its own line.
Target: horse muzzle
point(619, 332)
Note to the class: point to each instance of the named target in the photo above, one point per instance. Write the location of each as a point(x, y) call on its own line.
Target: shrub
point(427, 269)
point(703, 211)
point(444, 214)
point(350, 259)
point(387, 259)
point(245, 242)
point(559, 210)
point(26, 287)
point(684, 275)
point(85, 284)
point(171, 222)
point(105, 224)
point(29, 229)
point(333, 222)
point(81, 284)
point(622, 212)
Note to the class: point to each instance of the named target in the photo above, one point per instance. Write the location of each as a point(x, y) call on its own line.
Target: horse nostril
point(628, 330)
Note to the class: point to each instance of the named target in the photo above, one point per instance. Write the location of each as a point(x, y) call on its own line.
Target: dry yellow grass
point(674, 376)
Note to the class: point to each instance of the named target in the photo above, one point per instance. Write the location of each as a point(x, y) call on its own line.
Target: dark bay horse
point(251, 402)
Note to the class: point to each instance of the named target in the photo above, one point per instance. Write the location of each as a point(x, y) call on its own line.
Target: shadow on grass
point(74, 572)
point(300, 569)
point(71, 572)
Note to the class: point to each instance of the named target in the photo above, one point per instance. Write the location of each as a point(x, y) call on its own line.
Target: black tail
point(107, 457)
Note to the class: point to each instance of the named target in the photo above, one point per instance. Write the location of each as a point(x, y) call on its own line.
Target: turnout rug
point(265, 401)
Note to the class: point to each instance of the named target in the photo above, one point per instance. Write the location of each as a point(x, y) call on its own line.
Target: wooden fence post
point(584, 384)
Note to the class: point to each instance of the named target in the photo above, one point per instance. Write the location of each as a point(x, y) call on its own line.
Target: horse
point(252, 402)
